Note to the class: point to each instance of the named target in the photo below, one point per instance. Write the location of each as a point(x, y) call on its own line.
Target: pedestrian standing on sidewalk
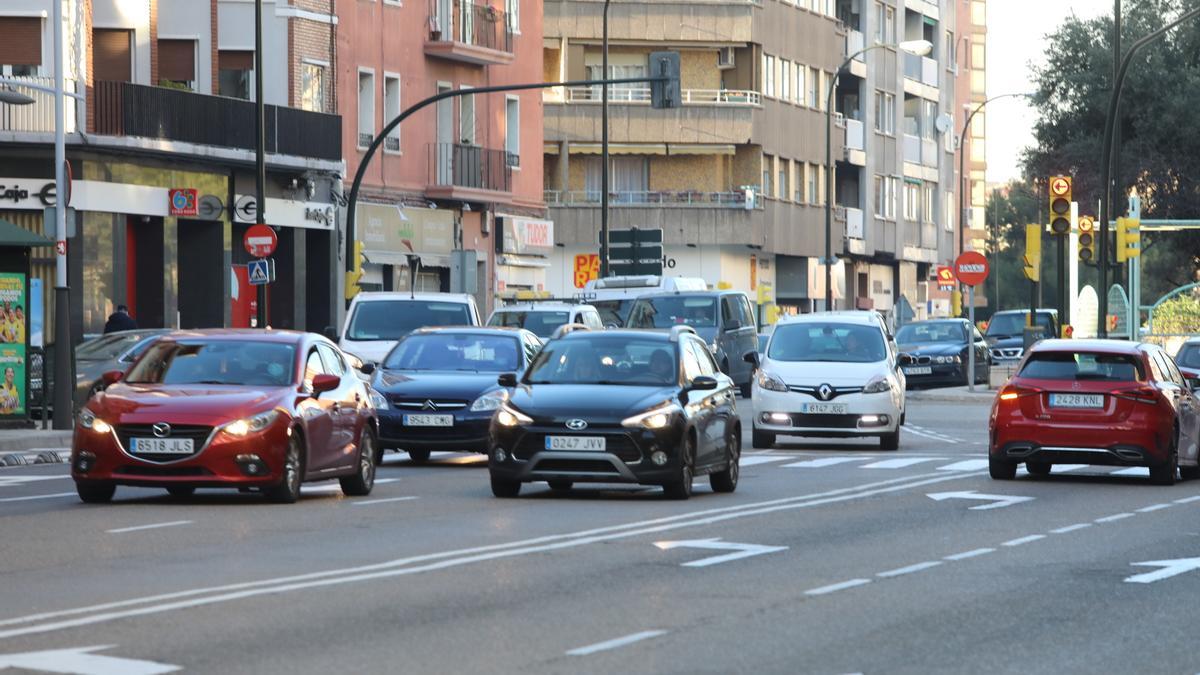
point(120, 320)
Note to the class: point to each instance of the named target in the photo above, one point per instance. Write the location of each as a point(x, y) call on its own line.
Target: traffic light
point(354, 275)
point(1087, 239)
point(1060, 205)
point(1129, 239)
point(664, 93)
point(1121, 225)
point(956, 303)
point(1033, 252)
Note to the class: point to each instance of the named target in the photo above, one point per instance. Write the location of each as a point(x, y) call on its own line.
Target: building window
point(366, 108)
point(768, 164)
point(814, 88)
point(798, 90)
point(885, 197)
point(885, 24)
point(885, 112)
point(235, 72)
point(177, 64)
point(784, 182)
point(977, 56)
point(912, 201)
point(21, 49)
point(629, 178)
point(929, 113)
point(769, 74)
point(814, 173)
point(798, 183)
point(512, 130)
point(391, 110)
point(930, 203)
point(512, 8)
point(466, 118)
point(312, 87)
point(785, 82)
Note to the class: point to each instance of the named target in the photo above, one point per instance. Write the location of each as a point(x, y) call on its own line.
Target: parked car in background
point(723, 319)
point(543, 318)
point(1006, 333)
point(1188, 358)
point(939, 352)
point(115, 351)
point(613, 297)
point(375, 321)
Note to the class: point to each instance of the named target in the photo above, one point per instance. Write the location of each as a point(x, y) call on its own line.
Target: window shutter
point(111, 55)
point(177, 60)
point(22, 43)
point(231, 60)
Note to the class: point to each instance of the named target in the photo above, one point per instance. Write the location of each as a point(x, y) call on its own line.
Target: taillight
point(1147, 395)
point(1013, 392)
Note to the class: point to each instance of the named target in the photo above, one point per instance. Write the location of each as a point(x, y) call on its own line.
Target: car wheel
point(95, 493)
point(727, 480)
point(1038, 468)
point(363, 480)
point(181, 490)
point(762, 440)
point(561, 485)
point(505, 488)
point(418, 456)
point(1164, 474)
point(287, 490)
point(1001, 469)
point(890, 441)
point(681, 488)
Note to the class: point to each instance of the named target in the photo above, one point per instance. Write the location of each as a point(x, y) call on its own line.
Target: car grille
point(158, 472)
point(431, 405)
point(1007, 353)
point(811, 390)
point(580, 465)
point(825, 421)
point(620, 445)
point(198, 434)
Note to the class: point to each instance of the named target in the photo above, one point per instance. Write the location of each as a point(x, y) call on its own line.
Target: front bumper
point(469, 433)
point(784, 413)
point(940, 373)
point(627, 457)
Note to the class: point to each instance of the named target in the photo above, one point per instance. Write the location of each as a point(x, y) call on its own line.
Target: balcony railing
point(854, 221)
point(641, 95)
point(39, 115)
point(921, 69)
point(469, 166)
point(912, 149)
point(854, 44)
point(854, 134)
point(124, 109)
point(469, 24)
point(693, 198)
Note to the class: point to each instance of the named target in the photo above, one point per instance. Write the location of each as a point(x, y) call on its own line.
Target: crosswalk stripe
point(899, 463)
point(1132, 471)
point(825, 461)
point(968, 465)
point(1064, 468)
point(751, 460)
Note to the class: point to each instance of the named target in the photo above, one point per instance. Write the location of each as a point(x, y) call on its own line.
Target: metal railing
point(620, 94)
point(124, 109)
point(391, 144)
point(469, 166)
point(648, 198)
point(854, 134)
point(921, 69)
point(470, 24)
point(39, 115)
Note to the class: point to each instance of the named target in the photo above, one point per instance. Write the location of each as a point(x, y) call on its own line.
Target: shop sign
point(284, 212)
point(16, 193)
point(381, 229)
point(12, 345)
point(587, 268)
point(528, 236)
point(183, 202)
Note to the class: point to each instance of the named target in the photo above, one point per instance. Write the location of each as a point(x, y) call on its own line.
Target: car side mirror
point(752, 358)
point(325, 382)
point(112, 377)
point(367, 368)
point(331, 333)
point(507, 380)
point(733, 325)
point(704, 383)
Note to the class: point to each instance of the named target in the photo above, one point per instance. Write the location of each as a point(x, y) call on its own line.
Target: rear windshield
point(1188, 357)
point(1082, 366)
point(665, 312)
point(541, 324)
point(613, 312)
point(393, 319)
point(1011, 325)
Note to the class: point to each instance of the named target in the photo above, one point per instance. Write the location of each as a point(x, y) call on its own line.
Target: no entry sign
point(971, 268)
point(260, 241)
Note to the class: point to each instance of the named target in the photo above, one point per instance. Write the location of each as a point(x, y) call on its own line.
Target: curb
point(35, 456)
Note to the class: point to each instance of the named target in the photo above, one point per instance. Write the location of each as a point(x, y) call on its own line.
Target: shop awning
point(549, 148)
point(15, 235)
point(620, 148)
point(701, 149)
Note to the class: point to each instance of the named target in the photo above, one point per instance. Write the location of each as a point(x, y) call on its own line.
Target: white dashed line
point(154, 526)
point(899, 463)
point(1071, 528)
point(615, 643)
point(25, 499)
point(910, 569)
point(1024, 540)
point(382, 501)
point(970, 554)
point(824, 462)
point(833, 588)
point(1188, 500)
point(1156, 507)
point(1110, 519)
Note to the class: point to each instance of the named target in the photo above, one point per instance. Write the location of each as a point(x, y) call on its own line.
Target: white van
point(376, 321)
point(613, 296)
point(543, 318)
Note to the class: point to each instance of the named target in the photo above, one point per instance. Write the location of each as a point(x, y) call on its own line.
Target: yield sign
point(1061, 185)
point(82, 661)
point(1169, 569)
point(998, 501)
point(739, 551)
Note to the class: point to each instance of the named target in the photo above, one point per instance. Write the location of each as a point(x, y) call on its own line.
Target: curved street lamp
point(12, 97)
point(914, 47)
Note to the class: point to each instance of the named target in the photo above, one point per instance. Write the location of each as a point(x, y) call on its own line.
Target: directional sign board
point(635, 252)
point(260, 272)
point(260, 241)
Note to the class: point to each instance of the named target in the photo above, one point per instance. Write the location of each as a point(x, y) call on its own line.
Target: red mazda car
point(254, 410)
point(1102, 402)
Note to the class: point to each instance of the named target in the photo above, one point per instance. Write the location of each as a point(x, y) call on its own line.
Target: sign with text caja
point(183, 202)
point(587, 268)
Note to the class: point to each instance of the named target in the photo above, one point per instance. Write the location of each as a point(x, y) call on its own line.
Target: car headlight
point(511, 417)
point(378, 400)
point(657, 417)
point(88, 420)
point(490, 401)
point(251, 425)
point(878, 385)
point(770, 382)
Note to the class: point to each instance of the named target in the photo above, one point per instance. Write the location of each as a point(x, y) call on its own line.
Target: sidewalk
point(981, 396)
point(33, 446)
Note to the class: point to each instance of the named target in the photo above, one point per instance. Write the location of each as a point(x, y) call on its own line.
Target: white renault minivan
point(377, 320)
point(832, 375)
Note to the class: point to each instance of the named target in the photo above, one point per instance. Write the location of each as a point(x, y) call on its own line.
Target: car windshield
point(106, 348)
point(1014, 324)
point(1188, 357)
point(455, 352)
point(835, 342)
point(1080, 366)
point(541, 324)
point(393, 319)
point(926, 333)
point(238, 362)
point(613, 312)
point(665, 312)
point(605, 359)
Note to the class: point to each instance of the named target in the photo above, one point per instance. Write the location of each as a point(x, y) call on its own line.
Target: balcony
point(469, 33)
point(921, 69)
point(124, 109)
point(641, 95)
point(853, 218)
point(685, 199)
point(706, 116)
point(38, 117)
point(855, 135)
point(656, 21)
point(854, 44)
point(468, 172)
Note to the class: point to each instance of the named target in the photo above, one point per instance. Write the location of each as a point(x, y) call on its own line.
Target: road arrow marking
point(1169, 569)
point(1000, 501)
point(81, 661)
point(739, 550)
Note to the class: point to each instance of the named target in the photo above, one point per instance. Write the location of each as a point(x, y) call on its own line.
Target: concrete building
point(459, 183)
point(971, 90)
point(161, 151)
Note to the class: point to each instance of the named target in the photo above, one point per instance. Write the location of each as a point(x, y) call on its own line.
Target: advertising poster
point(12, 344)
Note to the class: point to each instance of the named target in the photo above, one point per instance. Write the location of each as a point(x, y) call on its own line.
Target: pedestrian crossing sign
point(260, 272)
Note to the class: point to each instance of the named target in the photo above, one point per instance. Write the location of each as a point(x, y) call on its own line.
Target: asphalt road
point(849, 565)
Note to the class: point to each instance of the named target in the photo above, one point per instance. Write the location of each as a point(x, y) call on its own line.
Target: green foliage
point(1178, 316)
point(1008, 211)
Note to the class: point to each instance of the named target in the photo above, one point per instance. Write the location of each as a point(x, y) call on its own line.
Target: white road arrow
point(81, 661)
point(739, 550)
point(1169, 569)
point(1000, 501)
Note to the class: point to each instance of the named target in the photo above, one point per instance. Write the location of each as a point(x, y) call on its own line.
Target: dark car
point(1006, 333)
point(620, 406)
point(115, 351)
point(1188, 358)
point(438, 387)
point(938, 352)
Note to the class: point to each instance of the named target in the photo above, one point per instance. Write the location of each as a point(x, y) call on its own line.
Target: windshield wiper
point(213, 382)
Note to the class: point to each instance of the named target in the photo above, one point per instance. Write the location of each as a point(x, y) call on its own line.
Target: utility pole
point(64, 364)
point(604, 266)
point(260, 139)
point(1109, 186)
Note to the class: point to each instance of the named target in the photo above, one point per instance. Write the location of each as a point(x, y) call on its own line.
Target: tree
point(1159, 129)
point(1009, 210)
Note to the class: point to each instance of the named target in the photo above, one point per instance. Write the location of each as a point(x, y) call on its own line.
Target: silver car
point(114, 351)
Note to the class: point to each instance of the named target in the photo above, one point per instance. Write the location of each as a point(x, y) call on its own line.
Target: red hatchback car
point(1104, 402)
point(254, 410)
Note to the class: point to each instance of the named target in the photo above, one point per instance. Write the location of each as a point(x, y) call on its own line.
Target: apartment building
point(971, 91)
point(458, 184)
point(160, 143)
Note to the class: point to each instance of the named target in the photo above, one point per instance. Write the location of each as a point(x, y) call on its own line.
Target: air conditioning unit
point(726, 58)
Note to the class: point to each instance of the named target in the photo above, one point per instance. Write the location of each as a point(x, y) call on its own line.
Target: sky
point(1015, 39)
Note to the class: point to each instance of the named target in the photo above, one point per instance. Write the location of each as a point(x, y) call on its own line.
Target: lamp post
point(604, 267)
point(962, 171)
point(914, 47)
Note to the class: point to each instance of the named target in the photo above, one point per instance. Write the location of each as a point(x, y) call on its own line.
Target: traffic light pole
point(1063, 306)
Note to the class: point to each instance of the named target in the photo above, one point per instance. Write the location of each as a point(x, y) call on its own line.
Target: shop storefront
point(389, 234)
point(524, 247)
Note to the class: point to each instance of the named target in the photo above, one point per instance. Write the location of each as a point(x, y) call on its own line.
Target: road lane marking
point(1023, 540)
point(910, 569)
point(998, 501)
point(968, 465)
point(336, 488)
point(14, 481)
point(1067, 468)
point(824, 462)
point(1071, 528)
point(122, 609)
point(615, 643)
point(738, 551)
point(25, 499)
point(833, 588)
point(83, 661)
point(154, 526)
point(1169, 569)
point(758, 459)
point(899, 463)
point(383, 501)
point(1112, 519)
point(970, 554)
point(1188, 500)
point(1140, 471)
point(1153, 508)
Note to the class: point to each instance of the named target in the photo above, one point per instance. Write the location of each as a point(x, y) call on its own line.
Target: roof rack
point(566, 329)
point(676, 331)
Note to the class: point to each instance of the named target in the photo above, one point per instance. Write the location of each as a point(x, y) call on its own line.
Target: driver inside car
point(661, 366)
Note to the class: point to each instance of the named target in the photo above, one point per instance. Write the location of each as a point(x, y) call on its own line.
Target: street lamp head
point(12, 97)
point(917, 47)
